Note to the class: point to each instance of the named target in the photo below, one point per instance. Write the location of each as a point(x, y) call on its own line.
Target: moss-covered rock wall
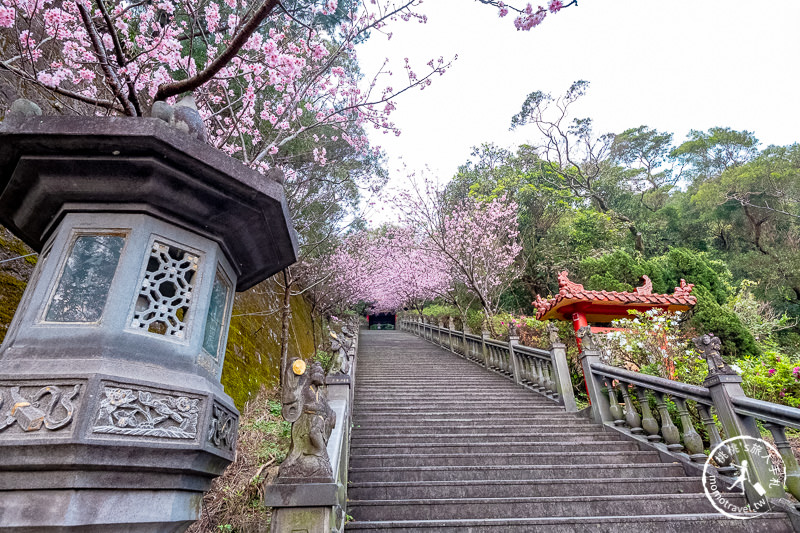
point(253, 355)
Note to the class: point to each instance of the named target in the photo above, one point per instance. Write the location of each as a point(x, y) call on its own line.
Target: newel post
point(513, 340)
point(589, 355)
point(485, 335)
point(451, 326)
point(558, 358)
point(724, 384)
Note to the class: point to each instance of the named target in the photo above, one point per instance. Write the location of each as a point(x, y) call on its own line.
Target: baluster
point(649, 422)
point(548, 377)
point(613, 404)
point(792, 470)
point(715, 439)
point(668, 429)
point(691, 439)
point(631, 416)
point(539, 374)
point(530, 375)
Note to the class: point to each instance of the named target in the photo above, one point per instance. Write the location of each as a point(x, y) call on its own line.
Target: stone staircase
point(441, 444)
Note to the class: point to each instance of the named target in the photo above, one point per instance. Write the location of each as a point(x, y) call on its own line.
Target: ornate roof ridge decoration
point(570, 293)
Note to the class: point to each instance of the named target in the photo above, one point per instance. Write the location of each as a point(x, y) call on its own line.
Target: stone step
point(505, 458)
point(465, 404)
point(563, 506)
point(507, 488)
point(498, 438)
point(672, 523)
point(518, 472)
point(357, 450)
point(458, 429)
point(469, 420)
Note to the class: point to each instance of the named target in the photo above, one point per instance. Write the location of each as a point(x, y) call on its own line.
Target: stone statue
point(305, 405)
point(343, 350)
point(552, 333)
point(512, 330)
point(588, 342)
point(711, 346)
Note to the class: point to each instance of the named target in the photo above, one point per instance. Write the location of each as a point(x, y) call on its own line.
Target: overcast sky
point(673, 65)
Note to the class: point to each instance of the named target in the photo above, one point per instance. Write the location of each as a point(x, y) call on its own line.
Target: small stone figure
point(305, 405)
point(588, 342)
point(552, 333)
point(339, 351)
point(512, 330)
point(711, 346)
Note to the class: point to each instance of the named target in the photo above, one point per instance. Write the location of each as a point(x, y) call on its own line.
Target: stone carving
point(182, 116)
point(144, 413)
point(31, 412)
point(645, 289)
point(552, 333)
point(588, 342)
point(224, 428)
point(166, 291)
point(711, 346)
point(305, 405)
point(343, 349)
point(512, 330)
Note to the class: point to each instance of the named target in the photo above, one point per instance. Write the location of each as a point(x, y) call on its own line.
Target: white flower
point(736, 369)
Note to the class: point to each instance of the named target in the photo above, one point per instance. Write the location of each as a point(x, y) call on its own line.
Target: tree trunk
point(286, 314)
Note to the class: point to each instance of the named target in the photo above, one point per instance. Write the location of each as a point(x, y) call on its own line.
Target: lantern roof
point(50, 166)
point(604, 306)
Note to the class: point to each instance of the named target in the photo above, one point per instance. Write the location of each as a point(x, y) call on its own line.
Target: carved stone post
point(113, 417)
point(594, 385)
point(513, 340)
point(451, 326)
point(485, 335)
point(723, 383)
point(563, 381)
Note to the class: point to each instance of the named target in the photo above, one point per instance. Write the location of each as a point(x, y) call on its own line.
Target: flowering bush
point(774, 377)
point(655, 342)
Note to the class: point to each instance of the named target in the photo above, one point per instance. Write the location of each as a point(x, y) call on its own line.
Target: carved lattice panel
point(165, 294)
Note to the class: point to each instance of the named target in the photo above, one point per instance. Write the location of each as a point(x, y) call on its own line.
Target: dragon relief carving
point(31, 413)
point(143, 413)
point(224, 428)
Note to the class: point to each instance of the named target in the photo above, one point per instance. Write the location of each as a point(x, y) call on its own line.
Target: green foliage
point(697, 268)
point(325, 359)
point(710, 317)
point(773, 377)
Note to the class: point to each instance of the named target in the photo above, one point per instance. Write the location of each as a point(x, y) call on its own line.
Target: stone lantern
point(112, 416)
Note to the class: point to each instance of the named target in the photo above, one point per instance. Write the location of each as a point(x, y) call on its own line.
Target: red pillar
point(578, 321)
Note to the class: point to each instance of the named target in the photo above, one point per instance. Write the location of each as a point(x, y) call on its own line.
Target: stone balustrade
point(657, 412)
point(543, 371)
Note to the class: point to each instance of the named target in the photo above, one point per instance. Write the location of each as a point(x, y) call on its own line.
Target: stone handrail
point(721, 395)
point(545, 372)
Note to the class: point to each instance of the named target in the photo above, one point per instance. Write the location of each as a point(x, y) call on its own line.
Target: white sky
point(674, 65)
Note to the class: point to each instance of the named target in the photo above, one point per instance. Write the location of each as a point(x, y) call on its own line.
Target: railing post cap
point(718, 379)
point(589, 353)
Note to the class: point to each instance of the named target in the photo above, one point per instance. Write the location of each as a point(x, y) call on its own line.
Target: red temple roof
point(604, 306)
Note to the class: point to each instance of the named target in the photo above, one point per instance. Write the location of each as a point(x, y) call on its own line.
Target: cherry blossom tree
point(478, 241)
point(264, 75)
